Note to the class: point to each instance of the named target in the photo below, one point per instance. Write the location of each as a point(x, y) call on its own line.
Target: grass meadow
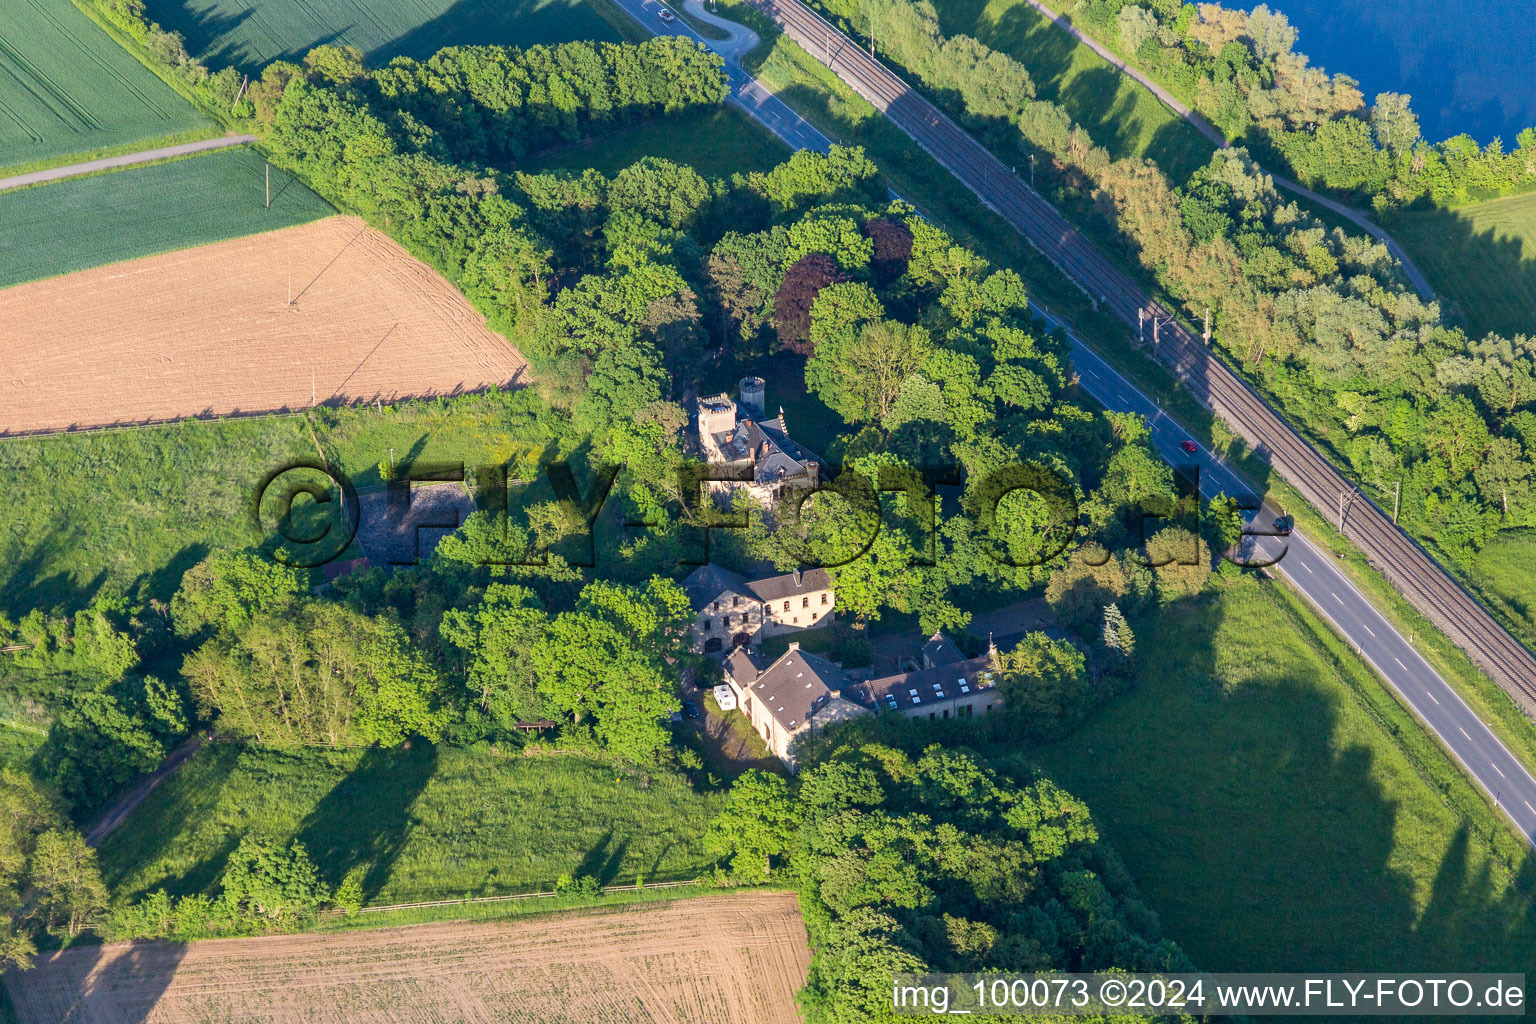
point(129, 511)
point(1482, 257)
point(429, 822)
point(249, 34)
point(89, 222)
point(1280, 810)
point(66, 88)
point(1504, 575)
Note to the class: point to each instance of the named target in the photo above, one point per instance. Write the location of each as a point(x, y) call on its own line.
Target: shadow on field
point(604, 860)
point(95, 983)
point(1488, 280)
point(366, 818)
point(1267, 817)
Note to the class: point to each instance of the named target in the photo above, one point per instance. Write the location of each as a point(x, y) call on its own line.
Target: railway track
point(1405, 563)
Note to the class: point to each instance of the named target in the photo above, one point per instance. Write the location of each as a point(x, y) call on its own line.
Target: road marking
point(1305, 566)
point(1461, 730)
point(1496, 768)
point(1432, 697)
point(1528, 806)
point(1336, 597)
point(1367, 628)
point(1400, 663)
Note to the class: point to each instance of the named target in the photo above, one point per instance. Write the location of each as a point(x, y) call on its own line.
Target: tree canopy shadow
point(366, 818)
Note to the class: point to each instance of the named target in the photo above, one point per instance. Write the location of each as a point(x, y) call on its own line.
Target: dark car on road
point(1283, 526)
point(690, 709)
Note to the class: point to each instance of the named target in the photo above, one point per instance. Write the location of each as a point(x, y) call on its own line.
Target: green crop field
point(1482, 257)
point(67, 88)
point(251, 33)
point(106, 218)
point(429, 822)
point(1279, 810)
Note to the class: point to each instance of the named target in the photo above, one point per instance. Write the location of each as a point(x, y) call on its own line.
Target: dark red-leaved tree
point(893, 249)
point(792, 303)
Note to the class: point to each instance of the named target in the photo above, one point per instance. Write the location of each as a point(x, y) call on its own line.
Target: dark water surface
point(1470, 65)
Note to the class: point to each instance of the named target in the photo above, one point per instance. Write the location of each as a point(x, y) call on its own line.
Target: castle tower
point(717, 415)
point(754, 391)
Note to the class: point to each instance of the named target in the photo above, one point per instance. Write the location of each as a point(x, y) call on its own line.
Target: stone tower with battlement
point(754, 393)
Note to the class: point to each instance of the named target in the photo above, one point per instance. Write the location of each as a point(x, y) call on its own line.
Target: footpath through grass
point(1281, 811)
point(429, 822)
point(1482, 257)
point(87, 222)
point(67, 88)
point(249, 34)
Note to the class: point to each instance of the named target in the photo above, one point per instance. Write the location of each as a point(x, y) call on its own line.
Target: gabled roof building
point(801, 692)
point(730, 610)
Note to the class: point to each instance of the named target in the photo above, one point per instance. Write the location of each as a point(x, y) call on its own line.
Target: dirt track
point(209, 331)
point(728, 959)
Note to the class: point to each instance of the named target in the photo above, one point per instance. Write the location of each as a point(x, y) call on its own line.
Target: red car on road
point(1189, 446)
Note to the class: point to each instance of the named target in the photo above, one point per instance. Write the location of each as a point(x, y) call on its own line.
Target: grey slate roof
point(925, 686)
point(744, 666)
point(775, 587)
point(941, 650)
point(796, 685)
point(708, 582)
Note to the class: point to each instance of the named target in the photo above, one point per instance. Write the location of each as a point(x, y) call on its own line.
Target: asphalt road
point(1314, 571)
point(1311, 569)
point(746, 92)
point(126, 160)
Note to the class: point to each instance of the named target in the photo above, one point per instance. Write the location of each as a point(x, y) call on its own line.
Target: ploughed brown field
point(728, 959)
point(211, 331)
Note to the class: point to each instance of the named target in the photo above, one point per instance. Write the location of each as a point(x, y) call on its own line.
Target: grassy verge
point(427, 823)
point(1504, 576)
point(175, 139)
point(508, 910)
point(1264, 776)
point(1482, 257)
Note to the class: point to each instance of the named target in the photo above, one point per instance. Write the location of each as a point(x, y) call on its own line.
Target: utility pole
point(1397, 499)
point(1141, 326)
point(1207, 326)
point(1031, 171)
